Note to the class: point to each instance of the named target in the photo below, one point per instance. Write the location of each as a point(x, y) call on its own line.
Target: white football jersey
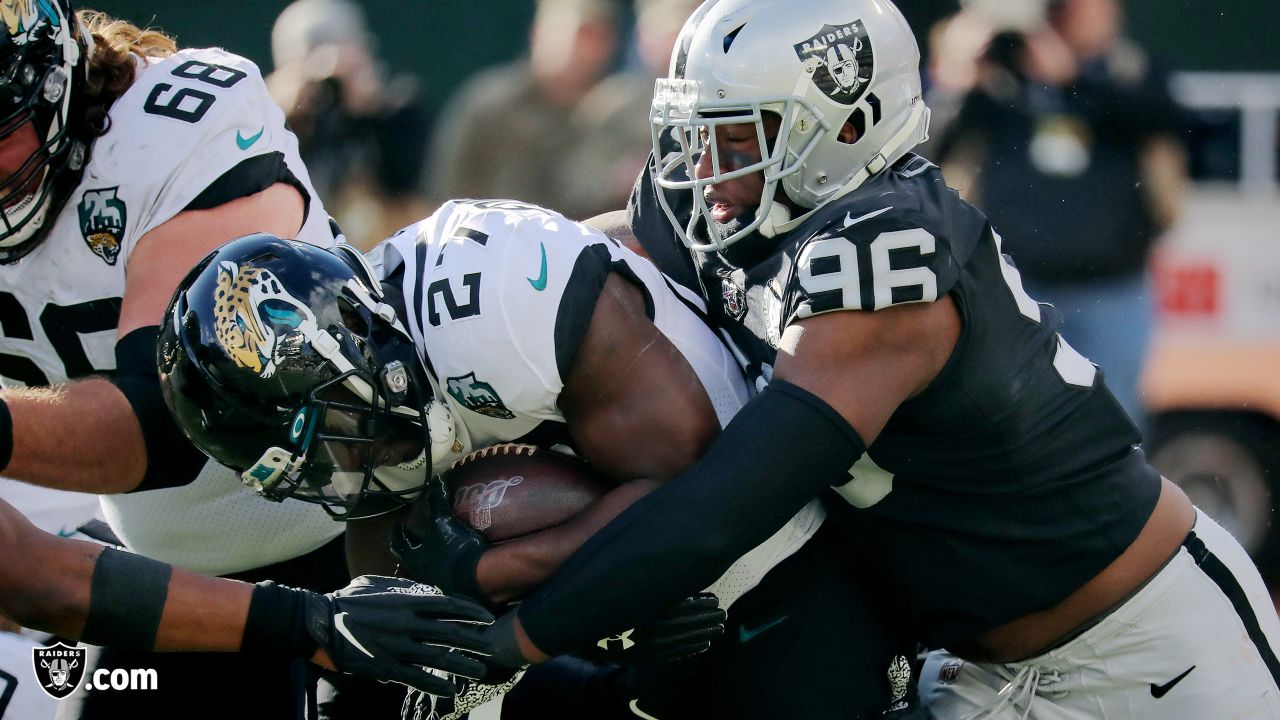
point(187, 121)
point(498, 298)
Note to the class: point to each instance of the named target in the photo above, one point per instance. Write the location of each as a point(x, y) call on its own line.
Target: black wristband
point(276, 624)
point(6, 435)
point(126, 600)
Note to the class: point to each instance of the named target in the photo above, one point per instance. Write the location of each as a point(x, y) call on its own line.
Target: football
point(511, 490)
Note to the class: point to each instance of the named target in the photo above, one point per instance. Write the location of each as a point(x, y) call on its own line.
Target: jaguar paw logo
point(102, 221)
point(59, 668)
point(839, 60)
point(478, 396)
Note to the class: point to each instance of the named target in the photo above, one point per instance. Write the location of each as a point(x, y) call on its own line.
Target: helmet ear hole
point(354, 321)
point(854, 128)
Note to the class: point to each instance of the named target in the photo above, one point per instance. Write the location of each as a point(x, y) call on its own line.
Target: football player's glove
point(439, 548)
point(469, 695)
point(398, 630)
point(684, 630)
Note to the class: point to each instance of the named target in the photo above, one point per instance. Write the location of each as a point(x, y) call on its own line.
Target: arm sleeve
point(781, 450)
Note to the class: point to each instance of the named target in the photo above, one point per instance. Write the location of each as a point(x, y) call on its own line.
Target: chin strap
point(778, 218)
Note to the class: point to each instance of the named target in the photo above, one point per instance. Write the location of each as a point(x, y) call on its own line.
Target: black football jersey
point(1014, 477)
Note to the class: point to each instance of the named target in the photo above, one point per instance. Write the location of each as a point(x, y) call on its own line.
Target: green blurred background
point(442, 42)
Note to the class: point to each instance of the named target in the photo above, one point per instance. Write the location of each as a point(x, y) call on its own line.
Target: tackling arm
point(785, 447)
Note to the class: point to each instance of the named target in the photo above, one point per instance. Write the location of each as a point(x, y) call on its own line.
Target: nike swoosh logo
point(65, 533)
point(745, 635)
point(340, 622)
point(635, 709)
point(244, 143)
point(541, 283)
point(1158, 691)
point(849, 219)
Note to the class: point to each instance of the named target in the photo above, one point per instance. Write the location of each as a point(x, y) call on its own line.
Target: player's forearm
point(203, 613)
point(79, 436)
point(783, 449)
point(44, 581)
point(509, 570)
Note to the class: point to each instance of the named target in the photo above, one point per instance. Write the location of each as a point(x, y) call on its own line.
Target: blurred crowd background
point(1127, 150)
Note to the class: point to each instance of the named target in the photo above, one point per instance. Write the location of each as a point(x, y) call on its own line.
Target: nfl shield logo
point(839, 60)
point(59, 668)
point(735, 302)
point(949, 671)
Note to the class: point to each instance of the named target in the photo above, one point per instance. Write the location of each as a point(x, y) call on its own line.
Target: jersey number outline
point(8, 686)
point(173, 105)
point(1074, 368)
point(62, 325)
point(830, 271)
point(444, 288)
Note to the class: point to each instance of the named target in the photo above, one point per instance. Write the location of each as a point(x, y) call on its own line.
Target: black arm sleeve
point(780, 451)
point(171, 459)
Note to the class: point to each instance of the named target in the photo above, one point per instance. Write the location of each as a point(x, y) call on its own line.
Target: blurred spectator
point(1070, 141)
point(508, 130)
point(613, 117)
point(363, 134)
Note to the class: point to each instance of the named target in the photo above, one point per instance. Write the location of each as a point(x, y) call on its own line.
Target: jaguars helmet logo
point(19, 15)
point(28, 20)
point(255, 320)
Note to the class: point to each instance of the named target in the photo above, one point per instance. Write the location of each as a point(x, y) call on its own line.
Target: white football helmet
point(815, 65)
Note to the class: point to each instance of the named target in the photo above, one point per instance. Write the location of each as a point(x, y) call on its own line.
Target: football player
point(491, 322)
point(907, 378)
point(124, 160)
point(389, 629)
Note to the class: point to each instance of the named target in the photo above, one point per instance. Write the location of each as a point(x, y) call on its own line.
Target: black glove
point(437, 547)
point(684, 630)
point(470, 694)
point(397, 630)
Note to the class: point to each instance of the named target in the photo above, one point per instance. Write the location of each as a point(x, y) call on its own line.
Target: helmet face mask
point(43, 69)
point(817, 67)
point(281, 361)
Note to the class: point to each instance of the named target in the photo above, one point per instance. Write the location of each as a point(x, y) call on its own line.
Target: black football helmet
point(282, 360)
point(44, 60)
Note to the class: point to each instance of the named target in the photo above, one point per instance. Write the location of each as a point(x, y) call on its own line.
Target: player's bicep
point(866, 364)
point(164, 255)
point(634, 405)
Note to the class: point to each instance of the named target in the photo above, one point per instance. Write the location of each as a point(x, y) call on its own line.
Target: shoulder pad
point(869, 256)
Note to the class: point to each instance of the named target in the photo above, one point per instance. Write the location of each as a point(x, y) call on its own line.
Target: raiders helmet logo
point(839, 60)
point(59, 668)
